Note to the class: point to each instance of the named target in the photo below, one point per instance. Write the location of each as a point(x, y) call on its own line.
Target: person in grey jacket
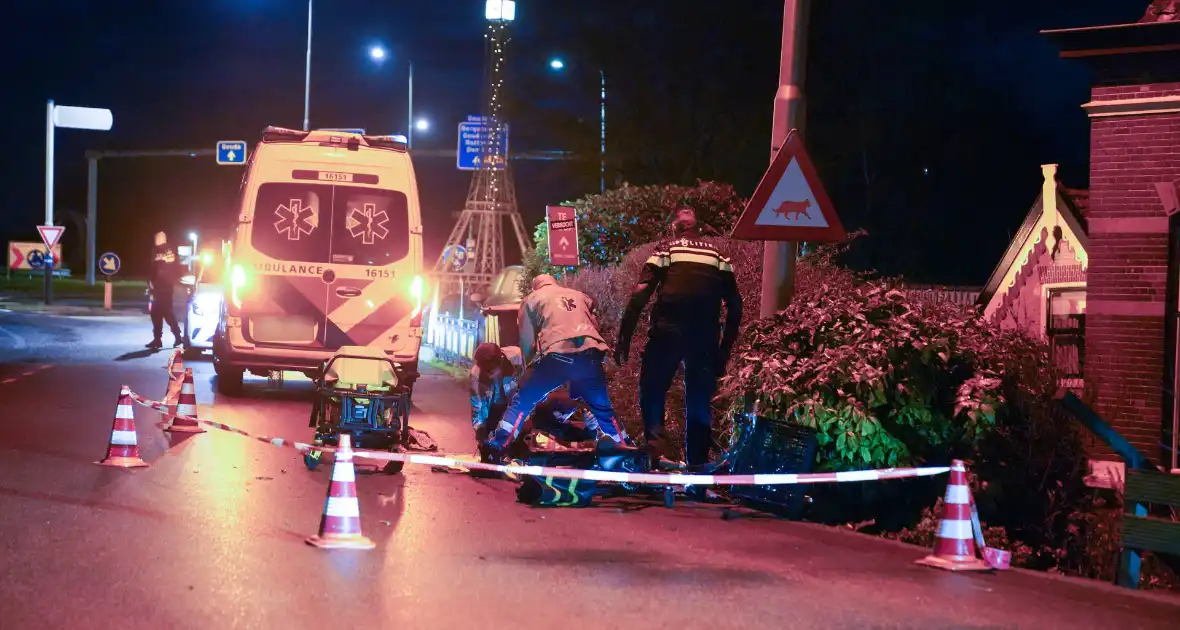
point(560, 341)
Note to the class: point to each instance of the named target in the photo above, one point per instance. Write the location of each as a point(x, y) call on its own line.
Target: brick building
point(1133, 232)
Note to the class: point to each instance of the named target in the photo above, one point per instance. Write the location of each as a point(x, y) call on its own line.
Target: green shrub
point(612, 224)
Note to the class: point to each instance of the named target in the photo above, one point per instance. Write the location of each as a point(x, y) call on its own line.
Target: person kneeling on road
point(494, 379)
point(559, 326)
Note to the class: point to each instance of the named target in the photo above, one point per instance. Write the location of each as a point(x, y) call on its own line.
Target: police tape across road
point(674, 479)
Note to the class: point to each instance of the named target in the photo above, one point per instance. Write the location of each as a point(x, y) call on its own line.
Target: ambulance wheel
point(229, 380)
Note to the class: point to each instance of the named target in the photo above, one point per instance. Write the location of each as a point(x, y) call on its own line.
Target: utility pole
point(778, 258)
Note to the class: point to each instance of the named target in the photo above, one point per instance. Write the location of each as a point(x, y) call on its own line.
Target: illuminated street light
point(558, 65)
point(378, 54)
point(422, 124)
point(500, 10)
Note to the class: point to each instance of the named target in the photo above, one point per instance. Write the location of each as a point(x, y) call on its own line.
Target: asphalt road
point(212, 534)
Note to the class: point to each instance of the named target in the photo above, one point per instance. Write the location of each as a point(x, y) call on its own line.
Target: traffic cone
point(186, 405)
point(123, 451)
point(340, 527)
point(954, 545)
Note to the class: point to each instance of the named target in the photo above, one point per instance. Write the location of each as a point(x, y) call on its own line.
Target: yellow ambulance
point(327, 253)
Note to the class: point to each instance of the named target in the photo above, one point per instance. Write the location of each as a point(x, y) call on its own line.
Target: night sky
point(927, 119)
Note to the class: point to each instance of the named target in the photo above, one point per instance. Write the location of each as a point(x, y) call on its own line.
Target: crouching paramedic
point(559, 339)
point(494, 379)
point(691, 280)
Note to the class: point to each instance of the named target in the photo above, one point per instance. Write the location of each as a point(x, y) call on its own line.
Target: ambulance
point(327, 252)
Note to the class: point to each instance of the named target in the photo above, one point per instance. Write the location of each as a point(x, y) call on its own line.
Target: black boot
point(155, 345)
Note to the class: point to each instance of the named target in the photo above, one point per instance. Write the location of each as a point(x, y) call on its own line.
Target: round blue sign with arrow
point(36, 259)
point(456, 255)
point(109, 264)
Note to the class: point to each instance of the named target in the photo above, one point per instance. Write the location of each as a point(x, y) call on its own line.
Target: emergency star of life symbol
point(294, 219)
point(368, 223)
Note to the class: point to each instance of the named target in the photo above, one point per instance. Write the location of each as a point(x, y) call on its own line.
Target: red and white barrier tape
point(674, 479)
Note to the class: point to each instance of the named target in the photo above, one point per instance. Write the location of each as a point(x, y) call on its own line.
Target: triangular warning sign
point(790, 203)
point(50, 234)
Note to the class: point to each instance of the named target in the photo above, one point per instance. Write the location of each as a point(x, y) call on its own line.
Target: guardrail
point(453, 339)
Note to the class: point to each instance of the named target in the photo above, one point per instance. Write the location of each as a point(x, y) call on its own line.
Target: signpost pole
point(778, 258)
point(106, 294)
point(91, 217)
point(49, 128)
point(49, 164)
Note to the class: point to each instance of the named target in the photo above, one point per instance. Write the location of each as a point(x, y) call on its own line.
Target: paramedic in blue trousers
point(560, 341)
point(691, 280)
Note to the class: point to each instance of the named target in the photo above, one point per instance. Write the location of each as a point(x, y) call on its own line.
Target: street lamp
point(500, 10)
point(558, 65)
point(378, 54)
point(192, 236)
point(307, 79)
point(422, 124)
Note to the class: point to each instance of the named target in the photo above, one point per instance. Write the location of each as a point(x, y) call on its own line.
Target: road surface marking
point(25, 374)
point(20, 341)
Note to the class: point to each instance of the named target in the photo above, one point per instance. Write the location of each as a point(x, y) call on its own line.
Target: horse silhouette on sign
point(797, 208)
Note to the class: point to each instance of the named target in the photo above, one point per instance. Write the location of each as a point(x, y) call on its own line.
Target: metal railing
point(452, 339)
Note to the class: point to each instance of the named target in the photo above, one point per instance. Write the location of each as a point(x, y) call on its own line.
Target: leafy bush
point(611, 224)
point(884, 379)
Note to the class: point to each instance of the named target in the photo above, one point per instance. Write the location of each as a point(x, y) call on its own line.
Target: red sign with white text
point(563, 235)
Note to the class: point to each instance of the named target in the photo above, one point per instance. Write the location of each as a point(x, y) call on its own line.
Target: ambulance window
point(370, 227)
point(287, 221)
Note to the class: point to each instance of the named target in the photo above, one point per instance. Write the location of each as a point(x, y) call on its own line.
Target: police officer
point(165, 273)
point(691, 280)
point(560, 340)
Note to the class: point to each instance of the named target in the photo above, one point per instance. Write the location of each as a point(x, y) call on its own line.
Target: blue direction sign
point(109, 264)
point(231, 152)
point(456, 256)
point(473, 133)
point(36, 259)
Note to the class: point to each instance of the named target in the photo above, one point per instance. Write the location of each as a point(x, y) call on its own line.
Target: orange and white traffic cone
point(123, 451)
point(954, 545)
point(186, 408)
point(340, 527)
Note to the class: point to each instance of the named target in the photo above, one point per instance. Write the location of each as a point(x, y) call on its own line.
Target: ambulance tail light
point(417, 296)
point(239, 282)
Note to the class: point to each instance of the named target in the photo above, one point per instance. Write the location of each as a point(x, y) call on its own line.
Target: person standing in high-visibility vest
point(691, 280)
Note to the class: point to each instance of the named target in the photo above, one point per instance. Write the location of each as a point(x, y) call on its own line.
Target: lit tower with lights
point(491, 200)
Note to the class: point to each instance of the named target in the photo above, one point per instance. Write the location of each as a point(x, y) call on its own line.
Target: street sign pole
point(91, 217)
point(778, 258)
point(49, 127)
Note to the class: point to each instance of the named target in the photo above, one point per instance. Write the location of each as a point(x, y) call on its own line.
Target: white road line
point(25, 374)
point(20, 341)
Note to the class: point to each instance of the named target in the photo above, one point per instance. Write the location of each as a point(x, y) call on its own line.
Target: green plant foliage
point(613, 223)
point(884, 379)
